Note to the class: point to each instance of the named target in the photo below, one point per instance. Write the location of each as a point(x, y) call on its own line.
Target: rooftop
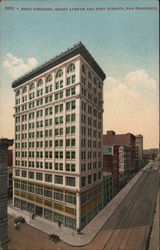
point(77, 49)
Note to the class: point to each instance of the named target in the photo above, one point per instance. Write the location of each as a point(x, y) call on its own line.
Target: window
point(24, 90)
point(67, 92)
point(67, 118)
point(24, 174)
point(83, 181)
point(58, 179)
point(48, 192)
point(70, 167)
point(39, 92)
point(68, 130)
point(73, 142)
point(73, 104)
point(48, 89)
point(39, 190)
point(48, 177)
point(67, 155)
point(73, 117)
point(59, 73)
point(48, 111)
point(68, 106)
point(73, 129)
point(89, 74)
point(70, 198)
point(59, 108)
point(39, 176)
point(89, 179)
point(73, 91)
point(73, 79)
point(73, 155)
point(70, 181)
point(31, 175)
point(71, 68)
point(40, 82)
point(32, 86)
point(49, 78)
point(30, 188)
point(95, 177)
point(48, 99)
point(58, 195)
point(68, 80)
point(83, 68)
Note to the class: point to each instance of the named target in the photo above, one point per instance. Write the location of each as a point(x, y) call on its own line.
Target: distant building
point(107, 188)
point(150, 154)
point(139, 144)
point(137, 158)
point(58, 139)
point(124, 163)
point(111, 138)
point(111, 164)
point(4, 144)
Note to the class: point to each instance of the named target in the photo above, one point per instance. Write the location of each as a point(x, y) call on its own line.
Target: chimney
point(110, 132)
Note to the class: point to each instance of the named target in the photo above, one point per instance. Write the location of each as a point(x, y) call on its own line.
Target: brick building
point(111, 138)
point(111, 164)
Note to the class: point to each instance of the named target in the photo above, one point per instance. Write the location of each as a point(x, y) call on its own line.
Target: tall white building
point(58, 139)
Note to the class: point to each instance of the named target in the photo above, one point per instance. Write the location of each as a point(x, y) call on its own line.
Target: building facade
point(58, 139)
point(10, 172)
point(150, 154)
point(111, 164)
point(124, 163)
point(139, 144)
point(4, 144)
point(111, 138)
point(107, 188)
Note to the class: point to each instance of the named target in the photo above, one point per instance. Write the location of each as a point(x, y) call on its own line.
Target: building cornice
point(75, 50)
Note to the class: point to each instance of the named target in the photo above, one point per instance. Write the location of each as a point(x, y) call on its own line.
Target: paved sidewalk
point(70, 236)
point(154, 242)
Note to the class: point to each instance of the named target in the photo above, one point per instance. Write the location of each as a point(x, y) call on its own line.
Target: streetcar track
point(142, 188)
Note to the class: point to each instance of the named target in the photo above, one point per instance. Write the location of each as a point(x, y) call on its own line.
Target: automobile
point(19, 219)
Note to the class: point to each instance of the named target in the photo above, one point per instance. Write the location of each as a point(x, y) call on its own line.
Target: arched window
point(40, 82)
point(71, 68)
point(49, 78)
point(59, 73)
point(24, 90)
point(83, 68)
point(17, 92)
point(31, 86)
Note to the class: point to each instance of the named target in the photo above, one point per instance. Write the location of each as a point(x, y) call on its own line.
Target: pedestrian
point(59, 223)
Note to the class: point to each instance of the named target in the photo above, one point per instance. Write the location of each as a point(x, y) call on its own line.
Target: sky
point(124, 42)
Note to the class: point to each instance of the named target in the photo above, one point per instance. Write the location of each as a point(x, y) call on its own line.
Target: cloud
point(16, 66)
point(139, 80)
point(129, 109)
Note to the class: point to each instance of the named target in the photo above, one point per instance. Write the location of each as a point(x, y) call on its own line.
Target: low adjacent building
point(111, 138)
point(111, 164)
point(139, 144)
point(124, 163)
point(150, 154)
point(107, 188)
